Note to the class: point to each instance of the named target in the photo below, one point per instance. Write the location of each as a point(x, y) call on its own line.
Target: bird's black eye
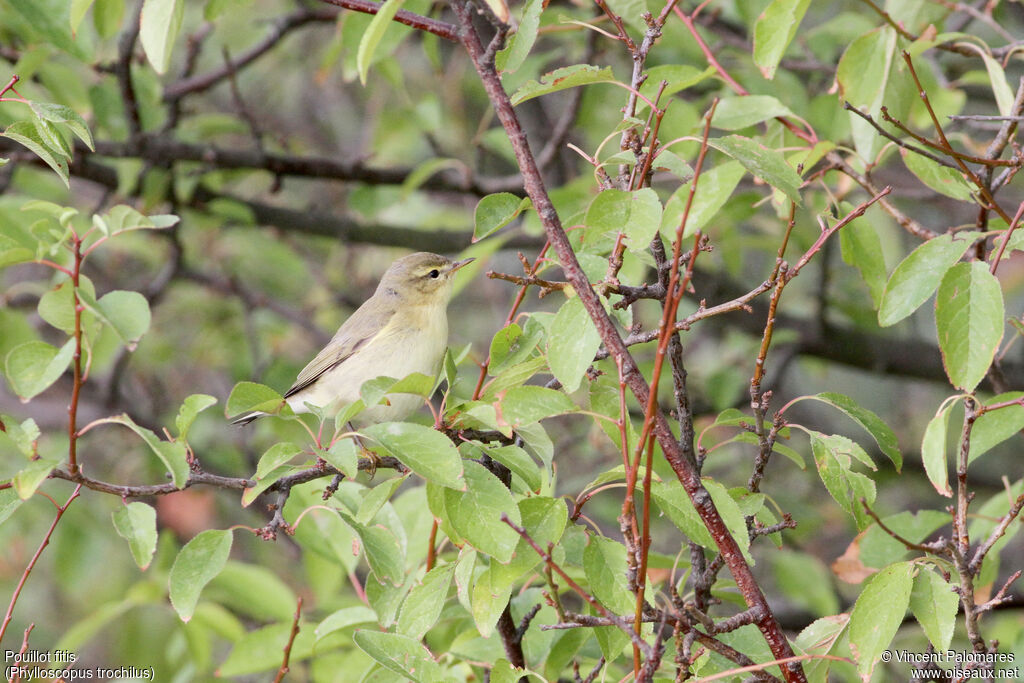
point(435, 273)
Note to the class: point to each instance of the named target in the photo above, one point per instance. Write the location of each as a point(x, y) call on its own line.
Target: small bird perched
point(401, 329)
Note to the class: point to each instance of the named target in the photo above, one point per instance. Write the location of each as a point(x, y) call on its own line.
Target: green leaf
point(373, 34)
point(158, 29)
point(995, 427)
point(196, 565)
point(528, 404)
point(260, 650)
point(878, 613)
point(253, 591)
point(969, 318)
point(344, 455)
point(767, 164)
point(919, 274)
point(677, 76)
point(275, 456)
point(511, 345)
point(51, 18)
point(934, 604)
point(422, 607)
point(345, 617)
point(518, 46)
point(136, 523)
point(401, 654)
point(489, 598)
point(190, 409)
point(875, 426)
point(107, 16)
point(33, 366)
point(572, 342)
point(9, 502)
point(28, 479)
point(249, 396)
point(79, 8)
point(637, 214)
point(520, 462)
point(732, 515)
point(863, 74)
point(29, 134)
point(673, 501)
point(604, 562)
point(384, 554)
point(805, 580)
point(24, 434)
point(171, 453)
point(862, 249)
point(476, 513)
point(832, 455)
point(733, 113)
point(127, 313)
point(997, 77)
point(774, 31)
point(57, 306)
point(495, 211)
point(561, 79)
point(425, 451)
point(122, 218)
point(59, 113)
point(942, 179)
point(713, 191)
point(933, 450)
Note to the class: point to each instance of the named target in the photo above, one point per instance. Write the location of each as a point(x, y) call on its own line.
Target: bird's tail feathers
point(246, 419)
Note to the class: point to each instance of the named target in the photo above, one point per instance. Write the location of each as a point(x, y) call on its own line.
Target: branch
point(441, 29)
point(283, 671)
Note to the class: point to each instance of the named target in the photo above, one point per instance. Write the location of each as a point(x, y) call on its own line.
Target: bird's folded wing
point(357, 332)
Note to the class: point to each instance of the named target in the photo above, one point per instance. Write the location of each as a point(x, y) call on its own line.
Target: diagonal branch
point(439, 28)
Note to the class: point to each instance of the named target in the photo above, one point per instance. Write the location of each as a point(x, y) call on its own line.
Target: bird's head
point(421, 277)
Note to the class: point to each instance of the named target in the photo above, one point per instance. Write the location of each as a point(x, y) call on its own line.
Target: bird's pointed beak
point(459, 264)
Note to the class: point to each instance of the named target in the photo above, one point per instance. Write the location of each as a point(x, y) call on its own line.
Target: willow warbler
point(401, 329)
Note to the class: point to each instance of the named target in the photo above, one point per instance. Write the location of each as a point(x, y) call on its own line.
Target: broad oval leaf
point(495, 211)
point(933, 451)
point(196, 565)
point(423, 605)
point(637, 214)
point(426, 452)
point(733, 113)
point(767, 164)
point(476, 513)
point(158, 29)
point(879, 430)
point(996, 426)
point(919, 274)
point(713, 190)
point(969, 320)
point(560, 79)
point(878, 613)
point(572, 343)
point(250, 396)
point(934, 604)
point(774, 31)
point(373, 34)
point(136, 523)
point(401, 654)
point(33, 366)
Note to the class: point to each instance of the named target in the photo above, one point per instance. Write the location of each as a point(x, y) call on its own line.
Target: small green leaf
point(196, 565)
point(495, 211)
point(127, 313)
point(516, 49)
point(344, 455)
point(933, 450)
point(832, 455)
point(767, 164)
point(476, 513)
point(136, 523)
point(29, 134)
point(675, 503)
point(401, 654)
point(158, 29)
point(190, 409)
point(919, 274)
point(969, 318)
point(713, 191)
point(250, 396)
point(345, 617)
point(637, 214)
point(774, 31)
point(28, 479)
point(604, 562)
point(24, 434)
point(862, 249)
point(934, 604)
point(572, 342)
point(9, 502)
point(875, 426)
point(275, 456)
point(942, 179)
point(59, 113)
point(734, 113)
point(996, 426)
point(561, 79)
point(422, 608)
point(425, 451)
point(171, 453)
point(78, 11)
point(878, 613)
point(384, 554)
point(373, 34)
point(528, 404)
point(33, 366)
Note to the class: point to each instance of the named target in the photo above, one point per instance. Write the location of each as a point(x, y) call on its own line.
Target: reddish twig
point(441, 29)
point(35, 558)
point(291, 640)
